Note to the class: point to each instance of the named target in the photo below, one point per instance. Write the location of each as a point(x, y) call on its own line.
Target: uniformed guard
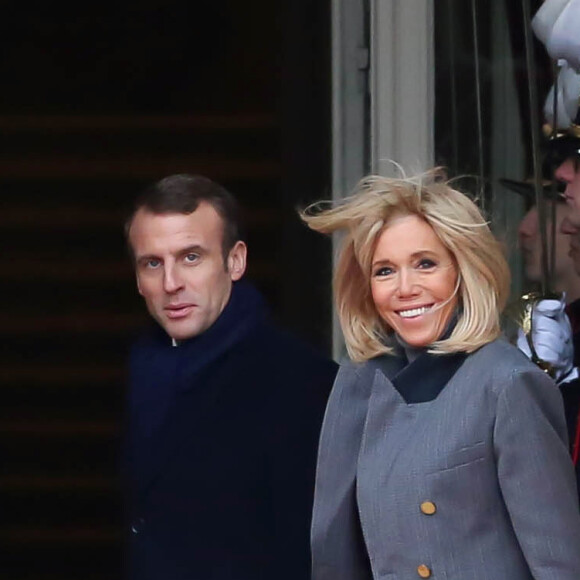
point(550, 333)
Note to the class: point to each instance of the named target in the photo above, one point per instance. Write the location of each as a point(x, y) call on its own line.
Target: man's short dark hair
point(182, 193)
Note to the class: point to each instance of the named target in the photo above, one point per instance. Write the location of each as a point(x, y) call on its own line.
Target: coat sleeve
point(338, 551)
point(293, 444)
point(536, 475)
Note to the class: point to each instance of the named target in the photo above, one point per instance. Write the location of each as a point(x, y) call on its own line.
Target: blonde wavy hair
point(483, 273)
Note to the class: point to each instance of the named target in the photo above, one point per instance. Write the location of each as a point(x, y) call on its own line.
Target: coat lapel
point(174, 388)
point(186, 420)
point(423, 379)
point(389, 424)
point(391, 418)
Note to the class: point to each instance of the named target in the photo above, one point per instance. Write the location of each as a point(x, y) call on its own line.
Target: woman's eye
point(383, 271)
point(426, 263)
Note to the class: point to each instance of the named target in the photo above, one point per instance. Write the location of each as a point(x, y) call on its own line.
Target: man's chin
point(182, 330)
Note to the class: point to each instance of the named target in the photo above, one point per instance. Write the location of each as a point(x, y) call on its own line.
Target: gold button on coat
point(428, 508)
point(423, 571)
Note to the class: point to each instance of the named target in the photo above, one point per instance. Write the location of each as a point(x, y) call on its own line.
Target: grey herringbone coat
point(469, 481)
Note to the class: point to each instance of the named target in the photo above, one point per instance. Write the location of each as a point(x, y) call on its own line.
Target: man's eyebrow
point(146, 257)
point(195, 248)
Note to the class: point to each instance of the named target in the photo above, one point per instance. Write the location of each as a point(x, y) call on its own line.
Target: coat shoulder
point(503, 356)
point(278, 355)
point(505, 361)
point(281, 346)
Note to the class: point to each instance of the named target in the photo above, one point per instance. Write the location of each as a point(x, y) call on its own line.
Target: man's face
point(180, 268)
point(570, 229)
point(569, 174)
point(530, 241)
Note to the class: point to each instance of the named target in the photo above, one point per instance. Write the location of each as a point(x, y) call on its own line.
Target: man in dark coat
point(567, 148)
point(564, 280)
point(224, 408)
point(556, 333)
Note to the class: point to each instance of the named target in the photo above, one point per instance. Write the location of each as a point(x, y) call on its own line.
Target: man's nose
point(568, 227)
point(526, 227)
point(565, 171)
point(172, 281)
point(523, 230)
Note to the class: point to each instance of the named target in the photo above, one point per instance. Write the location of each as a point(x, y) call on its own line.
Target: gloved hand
point(552, 339)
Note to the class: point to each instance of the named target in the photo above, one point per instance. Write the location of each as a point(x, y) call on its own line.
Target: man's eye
point(191, 257)
point(152, 263)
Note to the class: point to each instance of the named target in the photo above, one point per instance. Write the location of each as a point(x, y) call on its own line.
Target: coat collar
point(172, 389)
point(422, 379)
point(159, 372)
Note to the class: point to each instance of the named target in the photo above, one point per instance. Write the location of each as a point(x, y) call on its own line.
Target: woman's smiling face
point(413, 281)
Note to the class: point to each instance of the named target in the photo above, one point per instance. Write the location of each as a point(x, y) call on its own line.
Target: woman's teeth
point(414, 312)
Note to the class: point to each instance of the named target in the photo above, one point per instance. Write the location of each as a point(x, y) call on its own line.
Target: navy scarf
point(160, 371)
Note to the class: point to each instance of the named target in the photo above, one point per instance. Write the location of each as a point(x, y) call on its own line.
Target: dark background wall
point(97, 101)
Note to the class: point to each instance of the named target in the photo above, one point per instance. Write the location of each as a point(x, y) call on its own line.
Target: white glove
point(552, 339)
point(568, 91)
point(556, 24)
point(546, 17)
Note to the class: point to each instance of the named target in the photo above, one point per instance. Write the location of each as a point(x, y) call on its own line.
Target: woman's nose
point(407, 282)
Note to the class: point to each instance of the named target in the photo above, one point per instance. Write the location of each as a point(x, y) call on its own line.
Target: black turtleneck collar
point(423, 375)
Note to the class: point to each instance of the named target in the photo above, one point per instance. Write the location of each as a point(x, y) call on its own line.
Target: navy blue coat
point(221, 452)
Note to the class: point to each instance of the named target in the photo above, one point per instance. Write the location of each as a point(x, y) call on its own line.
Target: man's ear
point(138, 284)
point(237, 260)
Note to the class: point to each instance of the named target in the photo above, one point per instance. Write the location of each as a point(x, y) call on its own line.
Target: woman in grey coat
point(443, 452)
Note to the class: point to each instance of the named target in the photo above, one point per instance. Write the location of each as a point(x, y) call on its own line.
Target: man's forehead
point(202, 226)
point(204, 217)
point(572, 161)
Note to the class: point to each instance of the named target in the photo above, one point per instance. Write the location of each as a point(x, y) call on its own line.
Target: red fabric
point(573, 312)
point(576, 446)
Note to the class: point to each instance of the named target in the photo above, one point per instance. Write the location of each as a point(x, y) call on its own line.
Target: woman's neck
point(411, 352)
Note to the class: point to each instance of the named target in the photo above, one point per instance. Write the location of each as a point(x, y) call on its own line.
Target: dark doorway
point(98, 101)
